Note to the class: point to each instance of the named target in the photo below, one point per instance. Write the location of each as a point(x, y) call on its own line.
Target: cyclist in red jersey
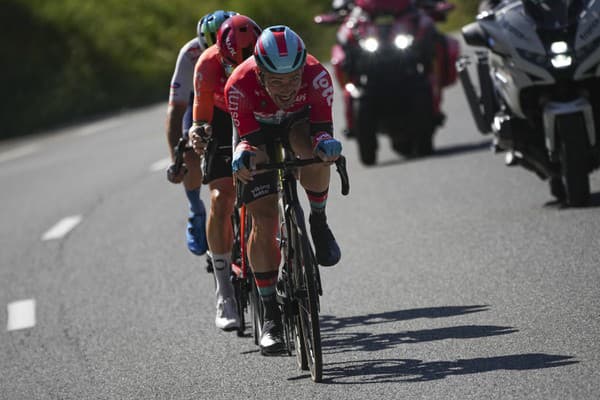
point(282, 90)
point(235, 41)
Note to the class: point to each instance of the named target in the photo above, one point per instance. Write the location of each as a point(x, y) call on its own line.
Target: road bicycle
point(299, 284)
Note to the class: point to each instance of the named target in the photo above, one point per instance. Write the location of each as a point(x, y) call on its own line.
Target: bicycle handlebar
point(340, 164)
point(180, 148)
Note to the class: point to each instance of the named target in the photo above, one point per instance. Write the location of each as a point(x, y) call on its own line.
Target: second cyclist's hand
point(174, 177)
point(199, 135)
point(326, 147)
point(243, 162)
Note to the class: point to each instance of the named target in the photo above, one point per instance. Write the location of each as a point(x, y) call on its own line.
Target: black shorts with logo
point(267, 183)
point(216, 162)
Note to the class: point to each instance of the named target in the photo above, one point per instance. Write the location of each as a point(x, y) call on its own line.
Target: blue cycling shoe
point(196, 234)
point(326, 248)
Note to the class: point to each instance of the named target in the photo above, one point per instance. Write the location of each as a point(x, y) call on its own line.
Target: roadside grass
point(65, 60)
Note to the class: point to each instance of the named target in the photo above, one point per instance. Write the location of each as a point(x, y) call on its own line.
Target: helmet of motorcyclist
point(383, 6)
point(209, 25)
point(236, 39)
point(553, 14)
point(279, 50)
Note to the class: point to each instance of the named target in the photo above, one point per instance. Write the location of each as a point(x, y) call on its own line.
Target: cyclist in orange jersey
point(235, 40)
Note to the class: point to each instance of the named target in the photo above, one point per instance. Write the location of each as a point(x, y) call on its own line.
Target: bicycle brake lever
point(340, 166)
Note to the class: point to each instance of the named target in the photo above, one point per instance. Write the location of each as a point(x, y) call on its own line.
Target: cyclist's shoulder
point(314, 69)
point(191, 50)
point(244, 76)
point(210, 61)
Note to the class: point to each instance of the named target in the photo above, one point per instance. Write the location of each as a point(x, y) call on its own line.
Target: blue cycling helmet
point(279, 50)
point(209, 25)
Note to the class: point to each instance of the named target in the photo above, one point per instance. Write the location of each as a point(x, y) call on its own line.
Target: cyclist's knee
point(264, 211)
point(221, 203)
point(193, 177)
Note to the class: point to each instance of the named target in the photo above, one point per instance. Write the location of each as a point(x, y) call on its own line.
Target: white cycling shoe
point(227, 317)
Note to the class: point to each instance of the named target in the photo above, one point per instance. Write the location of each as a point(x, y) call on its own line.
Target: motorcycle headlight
point(559, 47)
point(403, 41)
point(560, 58)
point(561, 61)
point(369, 44)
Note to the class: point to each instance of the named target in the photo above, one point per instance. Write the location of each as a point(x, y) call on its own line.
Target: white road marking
point(18, 152)
point(98, 127)
point(21, 315)
point(160, 165)
point(62, 227)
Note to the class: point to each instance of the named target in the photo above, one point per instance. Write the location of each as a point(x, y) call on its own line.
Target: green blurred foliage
point(64, 60)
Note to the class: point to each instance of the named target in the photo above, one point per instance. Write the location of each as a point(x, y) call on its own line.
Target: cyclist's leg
point(193, 178)
point(219, 229)
point(192, 181)
point(315, 180)
point(260, 197)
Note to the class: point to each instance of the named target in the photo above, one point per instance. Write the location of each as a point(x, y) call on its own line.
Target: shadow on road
point(410, 370)
point(594, 203)
point(335, 341)
point(331, 323)
point(440, 151)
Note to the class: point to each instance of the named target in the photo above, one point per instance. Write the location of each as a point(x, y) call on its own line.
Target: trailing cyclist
point(235, 40)
point(179, 120)
point(285, 91)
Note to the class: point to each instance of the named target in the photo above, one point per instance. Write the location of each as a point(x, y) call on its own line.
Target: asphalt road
point(459, 278)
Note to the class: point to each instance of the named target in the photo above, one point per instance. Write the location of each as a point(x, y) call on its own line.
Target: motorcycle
point(539, 88)
point(392, 63)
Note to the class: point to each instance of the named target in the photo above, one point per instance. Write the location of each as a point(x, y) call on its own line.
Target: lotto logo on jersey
point(321, 82)
point(233, 104)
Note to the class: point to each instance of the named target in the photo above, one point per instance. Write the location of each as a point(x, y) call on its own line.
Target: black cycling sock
point(271, 308)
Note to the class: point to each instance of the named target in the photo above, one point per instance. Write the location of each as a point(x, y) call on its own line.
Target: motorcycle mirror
point(329, 18)
point(474, 35)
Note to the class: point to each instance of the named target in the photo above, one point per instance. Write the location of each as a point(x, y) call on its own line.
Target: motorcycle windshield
point(554, 14)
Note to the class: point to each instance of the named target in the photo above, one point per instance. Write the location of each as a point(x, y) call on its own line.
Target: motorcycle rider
point(235, 41)
point(281, 90)
point(369, 9)
point(179, 120)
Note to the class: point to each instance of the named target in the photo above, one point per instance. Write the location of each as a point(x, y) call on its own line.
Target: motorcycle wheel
point(424, 142)
point(366, 132)
point(574, 163)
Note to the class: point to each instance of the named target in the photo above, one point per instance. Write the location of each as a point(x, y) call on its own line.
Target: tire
point(366, 132)
point(574, 159)
point(424, 124)
point(305, 283)
point(256, 310)
point(240, 289)
point(300, 347)
point(423, 145)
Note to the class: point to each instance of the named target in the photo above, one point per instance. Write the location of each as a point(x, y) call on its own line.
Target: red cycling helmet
point(383, 6)
point(236, 38)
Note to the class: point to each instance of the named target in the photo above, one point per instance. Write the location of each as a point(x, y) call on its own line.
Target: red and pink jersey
point(250, 105)
point(209, 85)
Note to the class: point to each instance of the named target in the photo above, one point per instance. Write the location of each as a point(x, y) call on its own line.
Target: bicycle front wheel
point(308, 304)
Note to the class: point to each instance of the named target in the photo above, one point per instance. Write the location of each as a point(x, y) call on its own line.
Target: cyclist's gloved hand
point(199, 135)
point(176, 173)
point(326, 147)
point(242, 162)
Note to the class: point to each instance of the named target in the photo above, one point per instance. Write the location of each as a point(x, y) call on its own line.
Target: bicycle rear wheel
point(305, 283)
